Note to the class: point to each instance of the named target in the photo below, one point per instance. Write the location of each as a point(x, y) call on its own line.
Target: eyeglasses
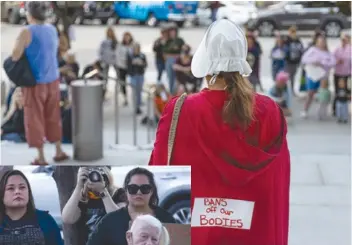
point(133, 189)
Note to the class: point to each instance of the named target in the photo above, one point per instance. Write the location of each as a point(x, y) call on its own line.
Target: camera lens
point(94, 176)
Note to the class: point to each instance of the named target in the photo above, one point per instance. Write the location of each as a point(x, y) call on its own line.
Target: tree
point(66, 179)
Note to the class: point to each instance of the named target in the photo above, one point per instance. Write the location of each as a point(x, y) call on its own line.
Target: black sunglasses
point(133, 189)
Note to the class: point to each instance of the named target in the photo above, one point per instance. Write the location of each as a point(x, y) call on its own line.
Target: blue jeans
point(342, 110)
point(160, 65)
point(137, 81)
point(170, 61)
point(13, 137)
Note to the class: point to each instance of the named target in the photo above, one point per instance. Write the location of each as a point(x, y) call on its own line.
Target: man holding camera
point(94, 197)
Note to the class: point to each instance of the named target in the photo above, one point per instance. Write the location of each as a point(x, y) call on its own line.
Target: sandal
point(36, 162)
point(61, 158)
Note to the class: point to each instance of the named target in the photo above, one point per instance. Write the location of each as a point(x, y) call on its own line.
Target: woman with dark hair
point(107, 52)
point(124, 51)
point(142, 196)
point(235, 141)
point(39, 43)
point(20, 222)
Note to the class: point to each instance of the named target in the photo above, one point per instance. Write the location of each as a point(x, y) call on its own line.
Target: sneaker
point(304, 114)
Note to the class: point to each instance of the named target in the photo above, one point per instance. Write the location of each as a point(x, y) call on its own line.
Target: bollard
point(134, 93)
point(87, 120)
point(149, 117)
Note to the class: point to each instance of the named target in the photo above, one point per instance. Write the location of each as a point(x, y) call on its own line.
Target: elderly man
point(147, 230)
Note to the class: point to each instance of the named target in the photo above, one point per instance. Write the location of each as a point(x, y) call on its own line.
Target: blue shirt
point(42, 53)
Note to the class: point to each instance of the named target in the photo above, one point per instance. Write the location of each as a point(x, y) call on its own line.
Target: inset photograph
point(131, 205)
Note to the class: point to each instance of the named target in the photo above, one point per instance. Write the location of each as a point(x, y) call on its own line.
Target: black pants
point(122, 77)
point(336, 81)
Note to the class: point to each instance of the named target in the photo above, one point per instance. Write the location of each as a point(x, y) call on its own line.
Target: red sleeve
point(159, 153)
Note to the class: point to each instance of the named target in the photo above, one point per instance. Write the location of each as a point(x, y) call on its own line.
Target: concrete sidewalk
point(320, 177)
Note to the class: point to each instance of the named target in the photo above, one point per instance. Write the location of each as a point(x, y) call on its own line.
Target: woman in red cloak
point(235, 141)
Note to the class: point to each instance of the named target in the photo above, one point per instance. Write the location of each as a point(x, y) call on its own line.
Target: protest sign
point(222, 212)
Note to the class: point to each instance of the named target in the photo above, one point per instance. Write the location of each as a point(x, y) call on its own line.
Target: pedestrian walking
point(343, 96)
point(294, 52)
point(159, 54)
point(137, 63)
point(253, 57)
point(39, 43)
point(235, 141)
point(343, 64)
point(124, 51)
point(107, 54)
point(324, 98)
point(319, 57)
point(172, 51)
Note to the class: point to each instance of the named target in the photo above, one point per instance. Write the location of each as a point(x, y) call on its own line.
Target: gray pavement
point(320, 151)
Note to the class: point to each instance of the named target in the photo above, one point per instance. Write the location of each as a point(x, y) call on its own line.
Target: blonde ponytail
point(238, 109)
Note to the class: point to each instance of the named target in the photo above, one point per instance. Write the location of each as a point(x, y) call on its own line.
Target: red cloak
point(249, 171)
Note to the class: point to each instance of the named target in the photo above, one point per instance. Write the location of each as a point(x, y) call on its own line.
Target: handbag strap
point(172, 131)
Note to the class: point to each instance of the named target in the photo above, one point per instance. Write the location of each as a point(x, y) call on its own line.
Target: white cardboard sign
point(222, 212)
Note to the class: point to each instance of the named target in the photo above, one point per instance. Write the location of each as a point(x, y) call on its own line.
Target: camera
point(97, 174)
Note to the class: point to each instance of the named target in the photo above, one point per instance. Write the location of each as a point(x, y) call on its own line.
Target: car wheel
point(151, 21)
point(14, 18)
point(181, 211)
point(333, 29)
point(266, 29)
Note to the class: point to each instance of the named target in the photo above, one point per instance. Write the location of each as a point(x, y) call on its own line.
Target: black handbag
point(19, 72)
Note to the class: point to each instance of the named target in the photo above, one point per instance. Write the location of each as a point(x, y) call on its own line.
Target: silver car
point(173, 183)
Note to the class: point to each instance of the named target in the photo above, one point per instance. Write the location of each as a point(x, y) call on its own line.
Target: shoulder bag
point(172, 131)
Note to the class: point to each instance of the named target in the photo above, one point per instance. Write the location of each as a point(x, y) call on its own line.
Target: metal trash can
point(87, 120)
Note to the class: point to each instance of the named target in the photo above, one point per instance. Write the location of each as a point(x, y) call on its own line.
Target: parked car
point(153, 12)
point(16, 12)
point(307, 16)
point(96, 10)
point(173, 183)
point(238, 12)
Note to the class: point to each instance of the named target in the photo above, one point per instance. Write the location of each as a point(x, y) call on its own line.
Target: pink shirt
point(343, 53)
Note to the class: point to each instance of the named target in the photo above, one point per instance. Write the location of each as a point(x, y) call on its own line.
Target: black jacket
point(136, 69)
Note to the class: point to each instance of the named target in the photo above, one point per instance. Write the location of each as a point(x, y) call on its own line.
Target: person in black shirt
point(158, 50)
point(343, 96)
point(253, 57)
point(92, 200)
point(69, 68)
point(142, 198)
point(183, 72)
point(294, 52)
point(20, 222)
point(137, 63)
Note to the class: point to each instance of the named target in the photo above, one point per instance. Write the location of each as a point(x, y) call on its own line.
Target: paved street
point(321, 171)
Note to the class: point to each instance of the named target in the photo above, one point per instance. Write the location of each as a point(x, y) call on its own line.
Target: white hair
point(154, 222)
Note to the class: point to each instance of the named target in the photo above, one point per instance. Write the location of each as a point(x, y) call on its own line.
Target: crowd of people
point(104, 213)
point(174, 57)
point(288, 55)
